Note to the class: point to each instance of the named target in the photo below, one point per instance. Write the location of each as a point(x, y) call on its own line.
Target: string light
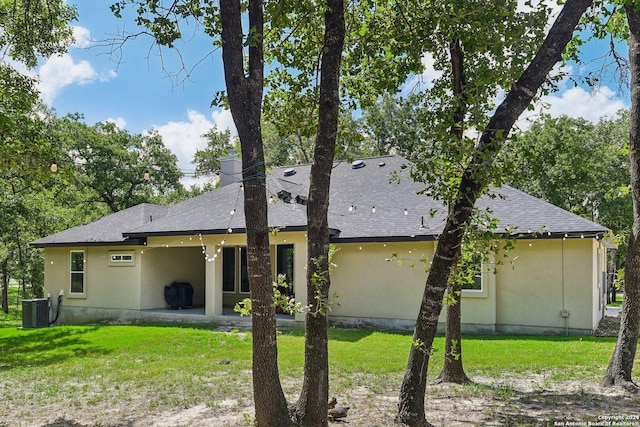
point(406, 212)
point(373, 209)
point(54, 167)
point(146, 176)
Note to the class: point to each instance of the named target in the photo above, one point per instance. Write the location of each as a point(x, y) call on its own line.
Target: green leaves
point(31, 29)
point(110, 165)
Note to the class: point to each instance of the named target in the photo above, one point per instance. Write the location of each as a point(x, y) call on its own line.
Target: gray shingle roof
point(366, 204)
point(106, 230)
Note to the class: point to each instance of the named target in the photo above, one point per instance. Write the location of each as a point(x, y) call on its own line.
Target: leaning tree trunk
point(412, 392)
point(621, 364)
point(311, 408)
point(245, 101)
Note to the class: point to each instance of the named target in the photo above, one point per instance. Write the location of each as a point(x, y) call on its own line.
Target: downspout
point(55, 319)
point(564, 313)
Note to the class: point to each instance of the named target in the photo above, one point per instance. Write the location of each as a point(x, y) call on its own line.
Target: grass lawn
point(175, 366)
point(618, 302)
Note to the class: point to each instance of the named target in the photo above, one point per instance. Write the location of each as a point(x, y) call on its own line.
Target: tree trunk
point(311, 408)
point(621, 364)
point(413, 388)
point(452, 369)
point(5, 287)
point(245, 101)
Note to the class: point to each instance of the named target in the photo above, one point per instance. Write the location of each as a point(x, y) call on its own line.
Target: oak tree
point(473, 183)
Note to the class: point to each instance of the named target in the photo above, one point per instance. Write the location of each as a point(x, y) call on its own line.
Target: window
point(228, 269)
point(121, 258)
point(471, 275)
point(475, 282)
point(234, 270)
point(77, 272)
point(284, 265)
point(235, 277)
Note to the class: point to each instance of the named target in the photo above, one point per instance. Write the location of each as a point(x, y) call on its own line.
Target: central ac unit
point(35, 313)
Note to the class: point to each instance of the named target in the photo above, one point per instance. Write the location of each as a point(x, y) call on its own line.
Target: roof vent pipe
point(358, 164)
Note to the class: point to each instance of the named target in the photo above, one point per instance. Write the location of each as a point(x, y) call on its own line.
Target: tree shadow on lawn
point(547, 407)
point(508, 406)
point(46, 346)
point(64, 422)
point(335, 334)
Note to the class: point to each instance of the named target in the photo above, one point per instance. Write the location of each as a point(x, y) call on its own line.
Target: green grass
point(175, 366)
point(618, 302)
point(14, 318)
point(117, 352)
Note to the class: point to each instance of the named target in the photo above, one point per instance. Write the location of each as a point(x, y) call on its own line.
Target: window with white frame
point(121, 258)
point(471, 275)
point(77, 273)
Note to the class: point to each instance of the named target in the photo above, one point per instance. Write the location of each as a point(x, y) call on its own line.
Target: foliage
point(492, 62)
point(392, 124)
point(579, 166)
point(111, 166)
point(29, 30)
point(35, 203)
point(36, 28)
point(576, 165)
point(13, 319)
point(219, 143)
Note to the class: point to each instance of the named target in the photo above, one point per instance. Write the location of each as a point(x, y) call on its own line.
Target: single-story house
point(117, 267)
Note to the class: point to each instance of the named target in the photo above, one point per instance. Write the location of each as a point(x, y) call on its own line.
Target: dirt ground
point(528, 400)
point(531, 400)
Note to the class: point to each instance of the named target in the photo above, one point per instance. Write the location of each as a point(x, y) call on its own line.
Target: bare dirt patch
point(511, 400)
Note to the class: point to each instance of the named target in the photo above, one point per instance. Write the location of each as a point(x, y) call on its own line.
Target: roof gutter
point(128, 242)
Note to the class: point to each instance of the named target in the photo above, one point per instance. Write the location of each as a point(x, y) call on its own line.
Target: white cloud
point(578, 102)
point(120, 122)
point(82, 37)
point(61, 71)
point(184, 138)
point(574, 101)
point(223, 120)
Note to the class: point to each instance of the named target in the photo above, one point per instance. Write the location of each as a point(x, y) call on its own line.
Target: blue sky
point(141, 90)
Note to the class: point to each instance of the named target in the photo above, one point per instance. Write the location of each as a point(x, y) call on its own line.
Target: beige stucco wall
point(523, 296)
point(106, 285)
point(370, 282)
point(162, 265)
point(546, 277)
point(478, 308)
